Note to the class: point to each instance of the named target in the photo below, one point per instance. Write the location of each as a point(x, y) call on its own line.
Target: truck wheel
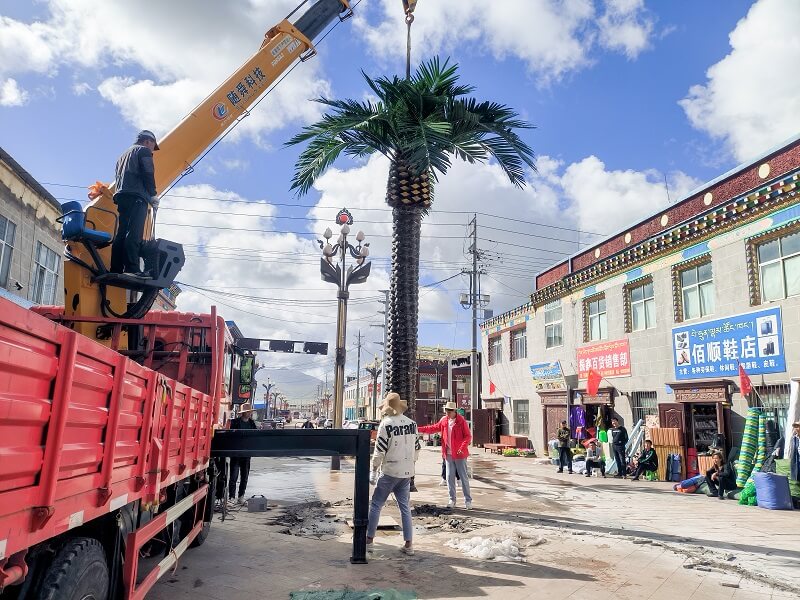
point(201, 537)
point(79, 571)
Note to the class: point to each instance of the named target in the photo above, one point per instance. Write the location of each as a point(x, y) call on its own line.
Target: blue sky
point(623, 93)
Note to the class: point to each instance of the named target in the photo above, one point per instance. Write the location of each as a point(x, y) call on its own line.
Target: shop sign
point(610, 359)
point(717, 348)
point(548, 377)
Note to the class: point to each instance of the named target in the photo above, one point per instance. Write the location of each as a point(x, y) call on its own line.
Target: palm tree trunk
point(409, 197)
point(403, 311)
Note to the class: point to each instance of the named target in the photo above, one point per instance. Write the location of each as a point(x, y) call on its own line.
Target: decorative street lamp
point(334, 269)
point(375, 370)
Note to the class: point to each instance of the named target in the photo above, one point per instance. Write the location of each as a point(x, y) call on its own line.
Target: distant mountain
point(296, 385)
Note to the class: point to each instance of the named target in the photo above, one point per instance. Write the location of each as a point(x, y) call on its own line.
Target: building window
point(521, 417)
point(7, 231)
point(495, 350)
point(45, 275)
point(779, 267)
point(427, 383)
point(643, 404)
point(519, 344)
point(697, 291)
point(642, 307)
point(595, 319)
point(553, 317)
point(774, 399)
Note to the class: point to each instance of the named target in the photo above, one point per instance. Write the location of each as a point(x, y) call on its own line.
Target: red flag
point(593, 382)
point(492, 388)
point(745, 385)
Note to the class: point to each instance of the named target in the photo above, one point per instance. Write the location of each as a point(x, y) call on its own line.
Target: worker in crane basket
point(135, 190)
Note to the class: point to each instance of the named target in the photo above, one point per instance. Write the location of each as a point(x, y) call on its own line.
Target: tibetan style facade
point(666, 311)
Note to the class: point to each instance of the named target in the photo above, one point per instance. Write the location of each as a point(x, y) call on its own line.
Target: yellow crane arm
point(283, 44)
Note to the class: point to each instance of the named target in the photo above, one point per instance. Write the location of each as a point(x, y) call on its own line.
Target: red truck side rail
point(85, 431)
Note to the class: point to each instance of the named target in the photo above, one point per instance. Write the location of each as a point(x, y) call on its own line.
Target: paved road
point(604, 539)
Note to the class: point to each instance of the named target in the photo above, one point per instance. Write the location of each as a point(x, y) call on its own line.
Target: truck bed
point(85, 430)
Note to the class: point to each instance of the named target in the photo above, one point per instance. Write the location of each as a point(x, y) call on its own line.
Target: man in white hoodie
point(396, 450)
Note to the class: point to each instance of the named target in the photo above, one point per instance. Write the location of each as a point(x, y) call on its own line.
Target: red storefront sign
point(610, 359)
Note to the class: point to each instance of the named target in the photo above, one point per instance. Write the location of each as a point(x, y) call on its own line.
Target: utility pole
point(473, 375)
point(382, 344)
point(358, 377)
point(474, 300)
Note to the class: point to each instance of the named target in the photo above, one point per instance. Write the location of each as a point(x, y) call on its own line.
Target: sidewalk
point(603, 539)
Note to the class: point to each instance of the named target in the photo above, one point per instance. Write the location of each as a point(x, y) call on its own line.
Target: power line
point(362, 208)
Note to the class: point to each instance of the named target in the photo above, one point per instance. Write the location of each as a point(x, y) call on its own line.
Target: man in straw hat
point(456, 438)
point(241, 464)
point(396, 450)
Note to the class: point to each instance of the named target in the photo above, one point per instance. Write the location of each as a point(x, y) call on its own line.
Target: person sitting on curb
point(455, 449)
point(595, 459)
point(396, 451)
point(648, 461)
point(720, 477)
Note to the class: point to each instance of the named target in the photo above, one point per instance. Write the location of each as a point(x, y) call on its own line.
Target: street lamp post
point(375, 370)
point(334, 269)
point(267, 386)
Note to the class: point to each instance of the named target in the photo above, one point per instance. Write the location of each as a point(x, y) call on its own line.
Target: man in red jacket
point(455, 448)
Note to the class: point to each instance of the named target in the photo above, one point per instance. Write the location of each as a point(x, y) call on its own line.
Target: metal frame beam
point(309, 442)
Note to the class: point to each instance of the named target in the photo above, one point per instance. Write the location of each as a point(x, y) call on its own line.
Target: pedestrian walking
point(240, 465)
point(135, 189)
point(619, 438)
point(648, 461)
point(396, 451)
point(456, 437)
point(595, 459)
point(564, 452)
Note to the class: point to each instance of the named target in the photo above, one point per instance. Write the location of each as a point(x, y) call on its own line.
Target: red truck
point(104, 460)
point(107, 410)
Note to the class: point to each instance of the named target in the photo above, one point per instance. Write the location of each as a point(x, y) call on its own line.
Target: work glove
point(373, 477)
point(154, 202)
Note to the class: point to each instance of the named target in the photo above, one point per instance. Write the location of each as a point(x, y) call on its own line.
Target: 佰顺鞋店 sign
point(717, 348)
point(610, 359)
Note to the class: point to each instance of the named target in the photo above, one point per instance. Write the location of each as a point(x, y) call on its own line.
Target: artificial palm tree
point(419, 124)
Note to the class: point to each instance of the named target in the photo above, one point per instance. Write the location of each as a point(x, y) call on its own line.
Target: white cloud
point(751, 100)
point(170, 56)
point(81, 88)
point(625, 27)
point(552, 38)
point(606, 201)
point(11, 94)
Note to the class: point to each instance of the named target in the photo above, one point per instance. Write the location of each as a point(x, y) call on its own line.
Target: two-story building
point(666, 311)
point(30, 238)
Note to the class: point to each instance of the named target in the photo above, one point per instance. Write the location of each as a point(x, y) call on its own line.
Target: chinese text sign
point(610, 359)
point(716, 348)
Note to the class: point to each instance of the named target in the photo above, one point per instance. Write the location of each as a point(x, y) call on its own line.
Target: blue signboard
point(548, 376)
point(716, 348)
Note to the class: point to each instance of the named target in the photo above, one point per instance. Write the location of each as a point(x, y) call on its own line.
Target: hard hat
point(147, 134)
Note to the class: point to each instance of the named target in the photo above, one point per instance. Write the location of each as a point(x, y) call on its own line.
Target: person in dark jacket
point(564, 453)
point(648, 461)
point(720, 477)
point(135, 189)
point(619, 438)
point(241, 464)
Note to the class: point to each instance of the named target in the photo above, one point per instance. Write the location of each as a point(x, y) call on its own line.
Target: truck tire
point(201, 537)
point(79, 571)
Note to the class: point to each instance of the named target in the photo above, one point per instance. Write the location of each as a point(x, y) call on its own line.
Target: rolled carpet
point(761, 450)
point(747, 452)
